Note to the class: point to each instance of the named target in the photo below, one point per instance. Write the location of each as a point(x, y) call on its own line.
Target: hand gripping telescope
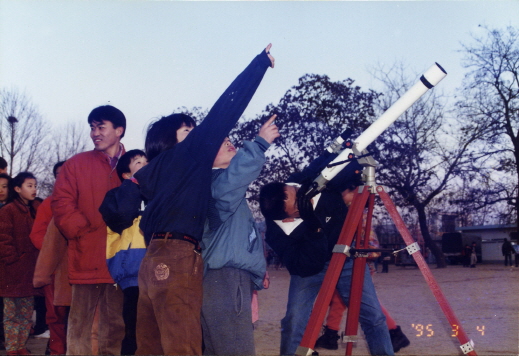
point(427, 81)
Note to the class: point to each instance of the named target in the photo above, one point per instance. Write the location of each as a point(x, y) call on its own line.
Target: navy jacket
point(303, 251)
point(125, 247)
point(177, 183)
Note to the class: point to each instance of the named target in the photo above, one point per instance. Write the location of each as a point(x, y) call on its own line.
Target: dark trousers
point(170, 300)
point(508, 259)
point(385, 266)
point(40, 308)
point(227, 312)
point(86, 298)
point(131, 297)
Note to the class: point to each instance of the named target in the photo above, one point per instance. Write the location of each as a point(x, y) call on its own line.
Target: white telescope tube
point(427, 81)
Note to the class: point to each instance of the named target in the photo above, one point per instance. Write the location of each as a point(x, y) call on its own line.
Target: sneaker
point(398, 339)
point(43, 335)
point(328, 340)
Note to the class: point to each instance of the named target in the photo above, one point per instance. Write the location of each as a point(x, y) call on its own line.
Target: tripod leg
point(466, 345)
point(332, 275)
point(357, 280)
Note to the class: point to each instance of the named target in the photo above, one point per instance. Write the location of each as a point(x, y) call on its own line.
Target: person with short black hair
point(130, 163)
point(104, 114)
point(79, 191)
point(232, 248)
point(305, 247)
point(125, 245)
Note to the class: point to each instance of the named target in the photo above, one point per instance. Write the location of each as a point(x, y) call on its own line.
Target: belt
point(176, 236)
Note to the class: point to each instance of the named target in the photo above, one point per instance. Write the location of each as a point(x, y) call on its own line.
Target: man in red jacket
point(79, 191)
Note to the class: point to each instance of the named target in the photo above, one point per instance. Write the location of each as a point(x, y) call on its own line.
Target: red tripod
point(353, 227)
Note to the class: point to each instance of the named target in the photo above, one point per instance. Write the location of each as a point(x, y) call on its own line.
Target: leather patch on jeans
point(161, 272)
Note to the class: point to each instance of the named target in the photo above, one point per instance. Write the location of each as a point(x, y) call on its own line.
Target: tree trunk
point(435, 250)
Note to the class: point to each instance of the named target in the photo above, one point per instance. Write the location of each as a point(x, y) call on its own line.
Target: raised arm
point(230, 187)
point(269, 131)
point(272, 60)
point(230, 106)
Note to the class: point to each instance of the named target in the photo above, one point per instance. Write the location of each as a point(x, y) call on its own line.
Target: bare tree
point(481, 197)
point(65, 142)
point(490, 101)
point(22, 133)
point(68, 141)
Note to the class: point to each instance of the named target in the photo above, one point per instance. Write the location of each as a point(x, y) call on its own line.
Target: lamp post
point(12, 121)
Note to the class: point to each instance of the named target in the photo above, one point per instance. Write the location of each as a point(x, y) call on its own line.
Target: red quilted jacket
point(78, 193)
point(17, 253)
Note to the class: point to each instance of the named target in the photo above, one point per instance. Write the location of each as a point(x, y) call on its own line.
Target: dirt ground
point(485, 300)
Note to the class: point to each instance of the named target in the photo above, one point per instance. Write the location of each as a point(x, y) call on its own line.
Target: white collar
point(290, 226)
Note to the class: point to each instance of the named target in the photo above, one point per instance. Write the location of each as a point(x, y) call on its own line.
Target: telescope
point(427, 81)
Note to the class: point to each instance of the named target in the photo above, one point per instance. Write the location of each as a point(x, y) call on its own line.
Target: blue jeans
point(301, 297)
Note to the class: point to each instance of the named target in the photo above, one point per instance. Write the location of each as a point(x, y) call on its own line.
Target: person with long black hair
point(17, 262)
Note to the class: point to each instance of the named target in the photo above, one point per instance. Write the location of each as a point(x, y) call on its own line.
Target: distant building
point(492, 237)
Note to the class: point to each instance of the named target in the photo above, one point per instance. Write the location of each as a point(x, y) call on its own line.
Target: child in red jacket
point(17, 261)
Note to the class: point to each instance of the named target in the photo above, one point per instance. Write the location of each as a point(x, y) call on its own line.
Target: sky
point(148, 58)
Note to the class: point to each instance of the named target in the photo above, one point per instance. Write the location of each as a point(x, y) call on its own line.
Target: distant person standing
point(467, 255)
point(507, 250)
point(78, 193)
point(473, 256)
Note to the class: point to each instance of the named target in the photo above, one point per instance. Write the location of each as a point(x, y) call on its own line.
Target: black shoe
point(398, 339)
point(328, 340)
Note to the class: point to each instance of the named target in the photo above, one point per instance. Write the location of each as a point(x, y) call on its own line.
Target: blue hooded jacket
point(231, 238)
